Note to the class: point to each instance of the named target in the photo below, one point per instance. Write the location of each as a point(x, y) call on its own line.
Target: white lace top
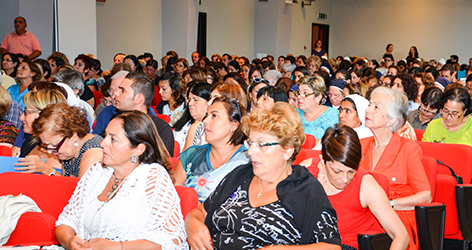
point(145, 207)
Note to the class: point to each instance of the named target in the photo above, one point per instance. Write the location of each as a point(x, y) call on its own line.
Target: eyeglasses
point(303, 94)
point(27, 112)
point(52, 150)
point(260, 80)
point(260, 145)
point(7, 60)
point(107, 102)
point(453, 114)
point(427, 111)
point(334, 95)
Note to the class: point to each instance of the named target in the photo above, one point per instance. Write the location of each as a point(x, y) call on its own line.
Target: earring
point(31, 75)
point(134, 159)
point(76, 144)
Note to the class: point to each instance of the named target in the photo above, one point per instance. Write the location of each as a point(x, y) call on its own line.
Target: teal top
point(435, 132)
point(318, 126)
point(14, 91)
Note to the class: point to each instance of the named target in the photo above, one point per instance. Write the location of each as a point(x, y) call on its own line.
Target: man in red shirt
point(21, 41)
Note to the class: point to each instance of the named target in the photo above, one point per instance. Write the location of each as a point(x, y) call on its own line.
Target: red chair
point(173, 162)
point(310, 142)
point(156, 99)
point(188, 199)
point(165, 118)
point(419, 134)
point(306, 154)
point(5, 151)
point(458, 157)
point(176, 149)
point(98, 98)
point(51, 194)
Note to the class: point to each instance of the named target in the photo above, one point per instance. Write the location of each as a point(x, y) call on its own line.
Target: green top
point(435, 132)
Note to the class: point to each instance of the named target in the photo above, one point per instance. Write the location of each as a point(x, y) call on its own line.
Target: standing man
point(195, 58)
point(21, 41)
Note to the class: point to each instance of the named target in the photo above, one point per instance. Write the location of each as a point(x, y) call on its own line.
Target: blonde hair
point(5, 101)
point(317, 84)
point(316, 59)
point(282, 122)
point(42, 98)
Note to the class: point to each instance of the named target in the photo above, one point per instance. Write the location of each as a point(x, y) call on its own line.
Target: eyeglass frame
point(260, 145)
point(427, 111)
point(305, 95)
point(26, 112)
point(52, 150)
point(449, 113)
point(260, 80)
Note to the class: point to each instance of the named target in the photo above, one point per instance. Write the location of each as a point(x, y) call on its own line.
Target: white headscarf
point(361, 105)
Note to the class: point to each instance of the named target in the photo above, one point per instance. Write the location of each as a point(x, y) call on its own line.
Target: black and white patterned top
point(240, 226)
point(73, 169)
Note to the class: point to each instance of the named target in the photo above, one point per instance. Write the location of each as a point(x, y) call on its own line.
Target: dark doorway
point(320, 32)
point(202, 34)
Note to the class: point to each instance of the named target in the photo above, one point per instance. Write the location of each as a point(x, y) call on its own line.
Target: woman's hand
point(34, 164)
point(77, 243)
point(197, 232)
point(100, 243)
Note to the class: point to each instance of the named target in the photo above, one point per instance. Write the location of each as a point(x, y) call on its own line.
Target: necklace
point(261, 191)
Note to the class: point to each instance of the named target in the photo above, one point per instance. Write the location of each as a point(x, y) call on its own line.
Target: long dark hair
point(139, 128)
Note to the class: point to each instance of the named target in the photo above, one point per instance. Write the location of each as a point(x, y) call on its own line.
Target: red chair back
point(306, 154)
point(173, 162)
point(431, 170)
point(419, 134)
point(176, 149)
point(456, 156)
point(165, 118)
point(188, 199)
point(310, 142)
point(98, 98)
point(5, 151)
point(156, 99)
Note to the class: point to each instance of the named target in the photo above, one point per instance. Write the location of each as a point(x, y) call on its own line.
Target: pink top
point(25, 44)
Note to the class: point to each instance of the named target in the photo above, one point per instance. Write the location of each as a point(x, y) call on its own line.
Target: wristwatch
point(392, 203)
point(53, 173)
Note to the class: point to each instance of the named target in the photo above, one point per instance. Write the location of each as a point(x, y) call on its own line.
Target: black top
point(165, 132)
point(73, 168)
point(300, 194)
point(88, 94)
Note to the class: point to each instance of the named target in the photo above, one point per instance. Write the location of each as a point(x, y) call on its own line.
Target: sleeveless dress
point(352, 217)
point(73, 168)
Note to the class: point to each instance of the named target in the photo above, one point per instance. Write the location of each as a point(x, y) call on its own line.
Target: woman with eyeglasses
point(428, 110)
point(455, 126)
point(10, 63)
point(257, 84)
point(203, 167)
point(268, 202)
point(316, 117)
point(63, 131)
point(398, 158)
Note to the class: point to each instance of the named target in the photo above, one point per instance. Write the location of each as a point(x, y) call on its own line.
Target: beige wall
point(437, 28)
point(131, 27)
point(230, 26)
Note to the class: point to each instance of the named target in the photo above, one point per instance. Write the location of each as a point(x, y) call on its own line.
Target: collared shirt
point(13, 115)
point(416, 123)
point(25, 44)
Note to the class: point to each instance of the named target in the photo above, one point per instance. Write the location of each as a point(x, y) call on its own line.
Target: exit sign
point(322, 15)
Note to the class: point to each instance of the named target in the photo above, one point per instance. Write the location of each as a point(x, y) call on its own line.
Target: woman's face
point(376, 113)
point(117, 150)
point(293, 99)
point(265, 103)
point(386, 81)
point(187, 78)
point(245, 71)
point(150, 71)
point(130, 63)
point(255, 74)
point(213, 95)
point(209, 79)
point(397, 85)
point(335, 96)
point(180, 68)
point(412, 50)
point(268, 160)
point(300, 62)
point(53, 66)
point(165, 90)
point(79, 65)
point(24, 71)
point(218, 127)
point(390, 49)
point(312, 67)
point(426, 113)
point(318, 44)
point(348, 115)
point(197, 106)
point(392, 72)
point(231, 69)
point(41, 70)
point(338, 174)
point(8, 64)
point(28, 117)
point(281, 61)
point(64, 146)
point(297, 75)
point(202, 64)
point(354, 78)
point(453, 114)
point(254, 93)
point(306, 102)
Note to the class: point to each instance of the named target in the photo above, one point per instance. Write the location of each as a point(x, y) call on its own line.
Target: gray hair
point(397, 108)
point(289, 67)
point(273, 76)
point(73, 78)
point(120, 74)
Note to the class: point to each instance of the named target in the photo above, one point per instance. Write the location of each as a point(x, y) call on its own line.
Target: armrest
point(373, 240)
point(33, 228)
point(430, 223)
point(464, 209)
